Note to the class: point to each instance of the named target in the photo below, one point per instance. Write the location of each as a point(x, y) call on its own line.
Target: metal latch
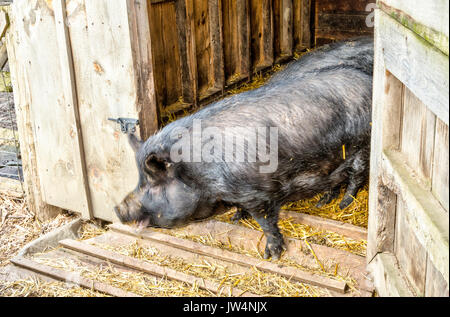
point(127, 125)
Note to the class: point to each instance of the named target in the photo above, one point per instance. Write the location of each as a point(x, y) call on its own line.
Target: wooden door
point(408, 250)
point(78, 63)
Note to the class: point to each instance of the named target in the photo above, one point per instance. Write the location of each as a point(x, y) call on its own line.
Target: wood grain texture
point(236, 40)
point(104, 58)
point(426, 217)
point(407, 56)
point(151, 268)
point(47, 156)
point(71, 277)
point(429, 19)
point(70, 96)
point(261, 34)
point(436, 286)
point(283, 28)
point(417, 137)
point(302, 24)
point(244, 260)
point(141, 50)
point(411, 255)
point(439, 183)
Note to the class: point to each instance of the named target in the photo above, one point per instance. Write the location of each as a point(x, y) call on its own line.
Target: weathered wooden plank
point(410, 254)
point(341, 19)
point(141, 48)
point(429, 19)
point(244, 260)
point(208, 47)
point(407, 55)
point(261, 34)
point(388, 278)
point(417, 139)
point(435, 283)
point(46, 155)
point(426, 216)
point(345, 229)
point(70, 277)
point(105, 58)
point(342, 5)
point(439, 183)
point(70, 96)
point(186, 42)
point(31, 184)
point(283, 28)
point(297, 250)
point(236, 40)
point(302, 24)
point(165, 53)
point(386, 116)
point(151, 268)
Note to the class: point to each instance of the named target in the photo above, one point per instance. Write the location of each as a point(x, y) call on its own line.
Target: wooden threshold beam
point(70, 277)
point(151, 268)
point(232, 257)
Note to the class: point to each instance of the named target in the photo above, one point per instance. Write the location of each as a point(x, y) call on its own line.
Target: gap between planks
point(152, 269)
point(232, 257)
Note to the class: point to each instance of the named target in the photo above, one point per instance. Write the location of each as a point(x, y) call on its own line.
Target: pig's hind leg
point(240, 214)
point(358, 173)
point(329, 196)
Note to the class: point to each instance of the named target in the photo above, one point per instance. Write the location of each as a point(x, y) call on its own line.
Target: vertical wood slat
point(70, 94)
point(208, 43)
point(302, 27)
point(54, 132)
point(261, 34)
point(417, 141)
point(104, 56)
point(186, 42)
point(283, 27)
point(141, 46)
point(165, 53)
point(440, 176)
point(31, 184)
point(236, 40)
point(411, 255)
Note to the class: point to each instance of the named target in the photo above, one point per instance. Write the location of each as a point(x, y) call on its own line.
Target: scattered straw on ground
point(18, 226)
point(35, 287)
point(89, 230)
point(253, 280)
point(355, 214)
point(329, 270)
point(130, 281)
point(292, 229)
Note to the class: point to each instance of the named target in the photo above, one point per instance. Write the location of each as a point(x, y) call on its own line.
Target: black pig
point(318, 106)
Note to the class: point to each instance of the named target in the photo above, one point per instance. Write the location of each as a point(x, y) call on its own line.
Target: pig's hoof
point(240, 214)
point(345, 202)
point(325, 200)
point(274, 250)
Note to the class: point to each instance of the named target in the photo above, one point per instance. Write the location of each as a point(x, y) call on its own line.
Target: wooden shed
point(408, 251)
point(77, 63)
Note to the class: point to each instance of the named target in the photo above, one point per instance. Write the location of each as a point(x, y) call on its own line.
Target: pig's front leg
point(268, 220)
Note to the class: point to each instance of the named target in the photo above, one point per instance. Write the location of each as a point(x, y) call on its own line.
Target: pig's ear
point(134, 142)
point(156, 166)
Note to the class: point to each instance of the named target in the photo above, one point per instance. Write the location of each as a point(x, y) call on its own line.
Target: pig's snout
point(129, 209)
